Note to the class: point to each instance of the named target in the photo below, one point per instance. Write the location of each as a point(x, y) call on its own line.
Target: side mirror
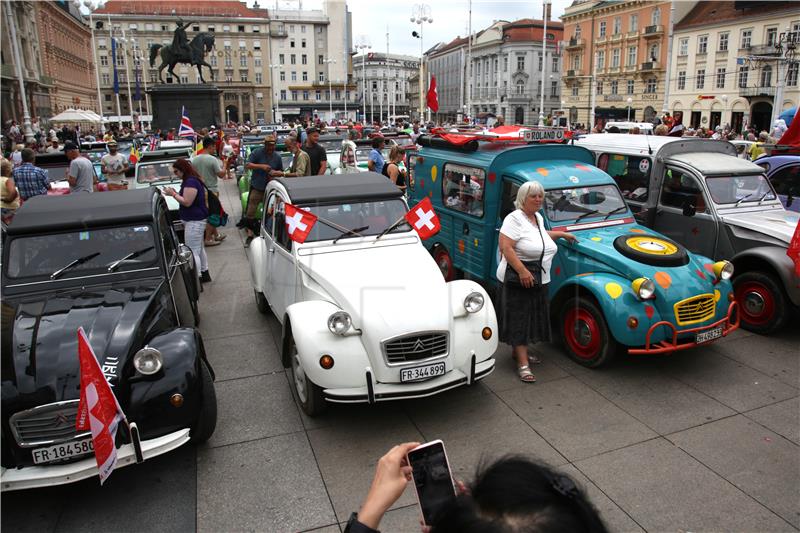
point(184, 254)
point(689, 209)
point(789, 200)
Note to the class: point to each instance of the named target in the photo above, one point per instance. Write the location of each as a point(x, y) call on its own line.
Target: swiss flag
point(794, 247)
point(299, 223)
point(433, 96)
point(98, 409)
point(423, 219)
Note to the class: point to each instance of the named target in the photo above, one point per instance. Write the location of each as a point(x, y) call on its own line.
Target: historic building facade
point(447, 63)
point(388, 85)
point(728, 60)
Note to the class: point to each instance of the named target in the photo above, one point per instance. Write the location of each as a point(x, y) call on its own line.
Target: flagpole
point(116, 78)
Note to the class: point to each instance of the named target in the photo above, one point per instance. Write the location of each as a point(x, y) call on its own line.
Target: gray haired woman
point(527, 252)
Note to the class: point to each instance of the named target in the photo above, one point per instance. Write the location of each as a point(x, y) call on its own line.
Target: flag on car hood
point(423, 219)
point(299, 223)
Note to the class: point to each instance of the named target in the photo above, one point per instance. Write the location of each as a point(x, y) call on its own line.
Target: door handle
point(272, 250)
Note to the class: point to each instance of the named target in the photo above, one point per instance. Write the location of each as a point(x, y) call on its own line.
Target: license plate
point(62, 451)
point(710, 335)
point(418, 373)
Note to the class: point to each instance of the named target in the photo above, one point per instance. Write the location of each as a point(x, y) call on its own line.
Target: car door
point(281, 266)
point(262, 275)
point(509, 194)
point(463, 191)
point(181, 274)
point(682, 190)
point(786, 180)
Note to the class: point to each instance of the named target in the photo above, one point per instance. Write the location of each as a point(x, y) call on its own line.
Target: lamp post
point(277, 94)
point(545, 4)
point(97, 76)
point(26, 117)
point(630, 101)
point(330, 62)
point(724, 107)
point(363, 45)
point(124, 41)
point(420, 14)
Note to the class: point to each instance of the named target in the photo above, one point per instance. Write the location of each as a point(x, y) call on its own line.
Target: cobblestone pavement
point(707, 439)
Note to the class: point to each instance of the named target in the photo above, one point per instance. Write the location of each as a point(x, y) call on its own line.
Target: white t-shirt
point(115, 166)
point(528, 247)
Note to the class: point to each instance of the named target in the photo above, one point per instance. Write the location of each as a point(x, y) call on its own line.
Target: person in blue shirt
point(264, 163)
point(376, 161)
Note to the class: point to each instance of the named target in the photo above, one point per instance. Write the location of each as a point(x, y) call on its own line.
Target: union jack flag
point(185, 129)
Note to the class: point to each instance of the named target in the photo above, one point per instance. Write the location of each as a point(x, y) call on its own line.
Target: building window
point(243, 61)
point(294, 75)
point(723, 42)
point(505, 64)
point(615, 58)
point(791, 74)
point(293, 59)
point(554, 66)
point(747, 36)
point(540, 62)
point(617, 25)
point(656, 18)
point(211, 28)
point(228, 61)
point(226, 28)
point(650, 86)
point(305, 76)
point(520, 64)
point(291, 28)
point(766, 76)
point(302, 28)
point(575, 91)
point(681, 80)
point(305, 95)
point(553, 89)
point(772, 36)
point(294, 95)
point(184, 79)
point(615, 87)
point(256, 45)
point(108, 97)
point(196, 27)
point(700, 81)
point(256, 29)
point(683, 47)
point(283, 94)
point(601, 60)
point(101, 44)
point(281, 59)
point(317, 95)
point(634, 23)
point(105, 79)
point(257, 62)
point(259, 78)
point(702, 44)
point(282, 76)
point(576, 62)
point(321, 77)
point(520, 87)
point(631, 56)
point(654, 52)
point(304, 59)
point(242, 76)
point(599, 87)
point(213, 61)
point(291, 43)
point(602, 30)
point(302, 43)
point(338, 94)
point(320, 60)
point(720, 78)
point(103, 61)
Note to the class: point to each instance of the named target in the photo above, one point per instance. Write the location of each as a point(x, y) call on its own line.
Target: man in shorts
point(113, 166)
point(264, 163)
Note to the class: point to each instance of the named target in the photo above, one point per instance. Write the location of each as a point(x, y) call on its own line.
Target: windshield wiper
point(617, 210)
point(763, 196)
point(390, 228)
point(743, 198)
point(354, 231)
point(79, 261)
point(587, 214)
point(133, 255)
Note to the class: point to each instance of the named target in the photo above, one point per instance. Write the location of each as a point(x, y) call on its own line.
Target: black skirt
point(524, 314)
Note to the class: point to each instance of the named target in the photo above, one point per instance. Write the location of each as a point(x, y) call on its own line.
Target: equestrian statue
point(183, 51)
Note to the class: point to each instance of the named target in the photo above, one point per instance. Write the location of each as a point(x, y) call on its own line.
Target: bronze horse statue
point(199, 46)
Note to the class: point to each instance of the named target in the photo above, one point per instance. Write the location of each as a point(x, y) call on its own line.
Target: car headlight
point(723, 270)
point(473, 302)
point(148, 361)
point(339, 322)
point(644, 288)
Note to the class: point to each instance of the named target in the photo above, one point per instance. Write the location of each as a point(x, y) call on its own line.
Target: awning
point(76, 115)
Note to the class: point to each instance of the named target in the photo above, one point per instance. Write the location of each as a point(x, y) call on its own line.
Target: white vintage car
point(366, 314)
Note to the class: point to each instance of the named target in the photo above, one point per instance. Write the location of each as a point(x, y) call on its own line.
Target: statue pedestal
point(200, 100)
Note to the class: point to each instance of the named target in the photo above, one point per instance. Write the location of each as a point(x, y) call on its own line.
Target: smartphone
point(432, 479)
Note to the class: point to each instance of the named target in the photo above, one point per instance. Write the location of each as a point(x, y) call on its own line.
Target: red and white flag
point(433, 96)
point(299, 222)
point(793, 251)
point(98, 409)
point(423, 219)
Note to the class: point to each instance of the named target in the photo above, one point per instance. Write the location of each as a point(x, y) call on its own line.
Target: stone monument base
point(200, 100)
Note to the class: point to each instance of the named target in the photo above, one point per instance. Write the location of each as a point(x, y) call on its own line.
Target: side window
point(463, 188)
point(787, 181)
point(167, 235)
point(411, 161)
point(269, 209)
point(507, 201)
point(632, 174)
point(680, 187)
point(280, 235)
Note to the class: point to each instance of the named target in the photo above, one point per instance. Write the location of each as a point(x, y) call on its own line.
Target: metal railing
point(757, 91)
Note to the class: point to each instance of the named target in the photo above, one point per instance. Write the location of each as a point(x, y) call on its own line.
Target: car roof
point(42, 214)
point(778, 159)
point(711, 163)
point(627, 141)
point(338, 187)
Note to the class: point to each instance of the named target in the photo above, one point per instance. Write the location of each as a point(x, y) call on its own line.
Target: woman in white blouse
point(524, 308)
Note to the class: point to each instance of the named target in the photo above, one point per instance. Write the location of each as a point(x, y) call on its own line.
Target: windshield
point(571, 204)
point(155, 172)
point(95, 157)
point(56, 173)
point(332, 145)
point(376, 215)
point(733, 189)
point(41, 255)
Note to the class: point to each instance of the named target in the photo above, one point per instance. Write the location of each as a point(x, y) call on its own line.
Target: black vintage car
point(110, 263)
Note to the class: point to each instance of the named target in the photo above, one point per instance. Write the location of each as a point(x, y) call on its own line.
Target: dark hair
point(377, 141)
point(208, 141)
point(28, 155)
point(613, 129)
point(515, 495)
point(185, 166)
point(311, 130)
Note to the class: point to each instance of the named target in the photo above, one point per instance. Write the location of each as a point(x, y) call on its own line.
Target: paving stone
point(333, 528)
point(783, 418)
point(266, 485)
point(773, 357)
point(241, 356)
point(254, 408)
point(229, 308)
point(664, 489)
point(505, 376)
point(574, 419)
point(758, 461)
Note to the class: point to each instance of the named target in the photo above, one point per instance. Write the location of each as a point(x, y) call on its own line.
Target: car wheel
point(762, 302)
point(586, 335)
point(444, 262)
point(207, 418)
point(652, 250)
point(309, 394)
point(261, 302)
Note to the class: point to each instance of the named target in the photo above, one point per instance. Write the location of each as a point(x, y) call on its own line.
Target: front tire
point(261, 302)
point(762, 302)
point(308, 392)
point(444, 262)
point(587, 339)
point(207, 418)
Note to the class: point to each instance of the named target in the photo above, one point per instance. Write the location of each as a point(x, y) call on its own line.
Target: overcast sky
point(450, 19)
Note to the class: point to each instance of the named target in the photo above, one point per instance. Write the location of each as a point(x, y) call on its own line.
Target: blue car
point(783, 172)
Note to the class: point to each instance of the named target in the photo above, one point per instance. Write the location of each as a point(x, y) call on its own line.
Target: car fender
point(776, 258)
point(256, 254)
point(308, 324)
point(182, 351)
point(466, 330)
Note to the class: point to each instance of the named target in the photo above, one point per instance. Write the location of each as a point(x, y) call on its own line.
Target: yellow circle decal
point(434, 172)
point(598, 239)
point(476, 243)
point(614, 290)
point(717, 295)
point(651, 245)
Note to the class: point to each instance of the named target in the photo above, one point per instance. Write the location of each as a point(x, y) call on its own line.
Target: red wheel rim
point(444, 262)
point(582, 333)
point(756, 302)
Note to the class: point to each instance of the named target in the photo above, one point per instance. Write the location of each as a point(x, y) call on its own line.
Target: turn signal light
point(633, 322)
point(326, 362)
point(176, 400)
point(486, 333)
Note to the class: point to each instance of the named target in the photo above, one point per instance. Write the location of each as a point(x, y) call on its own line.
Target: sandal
point(212, 242)
point(525, 374)
point(220, 237)
point(534, 359)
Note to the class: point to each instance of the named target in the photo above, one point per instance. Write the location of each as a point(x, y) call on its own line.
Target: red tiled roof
point(531, 30)
point(555, 24)
point(707, 13)
point(182, 8)
point(455, 43)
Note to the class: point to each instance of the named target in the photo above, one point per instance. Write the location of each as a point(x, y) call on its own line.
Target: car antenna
point(649, 148)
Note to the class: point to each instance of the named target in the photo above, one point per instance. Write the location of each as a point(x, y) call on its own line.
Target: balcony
point(632, 35)
point(650, 32)
point(756, 91)
point(616, 37)
point(649, 66)
point(576, 43)
point(613, 70)
point(765, 50)
point(278, 32)
point(570, 75)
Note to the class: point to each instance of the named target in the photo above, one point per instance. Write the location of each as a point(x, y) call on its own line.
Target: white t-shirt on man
point(529, 243)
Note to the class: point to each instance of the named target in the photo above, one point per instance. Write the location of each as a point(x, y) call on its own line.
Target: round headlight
point(473, 302)
point(148, 361)
point(339, 322)
point(644, 288)
point(723, 270)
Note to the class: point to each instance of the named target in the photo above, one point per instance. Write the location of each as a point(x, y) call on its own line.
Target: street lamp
point(26, 117)
point(420, 14)
point(724, 107)
point(545, 3)
point(277, 95)
point(629, 100)
point(363, 45)
point(330, 62)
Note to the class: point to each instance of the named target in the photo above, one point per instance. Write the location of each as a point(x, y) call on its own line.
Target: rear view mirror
point(689, 209)
point(593, 198)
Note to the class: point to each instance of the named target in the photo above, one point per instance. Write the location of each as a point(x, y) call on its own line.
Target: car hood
point(778, 224)
point(40, 341)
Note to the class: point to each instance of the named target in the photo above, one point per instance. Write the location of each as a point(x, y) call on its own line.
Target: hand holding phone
point(432, 478)
point(392, 474)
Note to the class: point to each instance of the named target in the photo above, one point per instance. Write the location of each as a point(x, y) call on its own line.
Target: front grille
point(45, 424)
point(695, 309)
point(415, 347)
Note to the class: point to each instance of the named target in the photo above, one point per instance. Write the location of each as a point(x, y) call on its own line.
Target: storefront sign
point(650, 96)
point(705, 97)
point(613, 98)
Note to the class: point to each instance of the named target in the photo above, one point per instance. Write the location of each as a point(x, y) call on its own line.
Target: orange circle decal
point(543, 171)
point(461, 246)
point(663, 279)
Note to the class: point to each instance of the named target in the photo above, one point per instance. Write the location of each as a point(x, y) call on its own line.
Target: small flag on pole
point(423, 219)
point(298, 222)
point(185, 129)
point(433, 96)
